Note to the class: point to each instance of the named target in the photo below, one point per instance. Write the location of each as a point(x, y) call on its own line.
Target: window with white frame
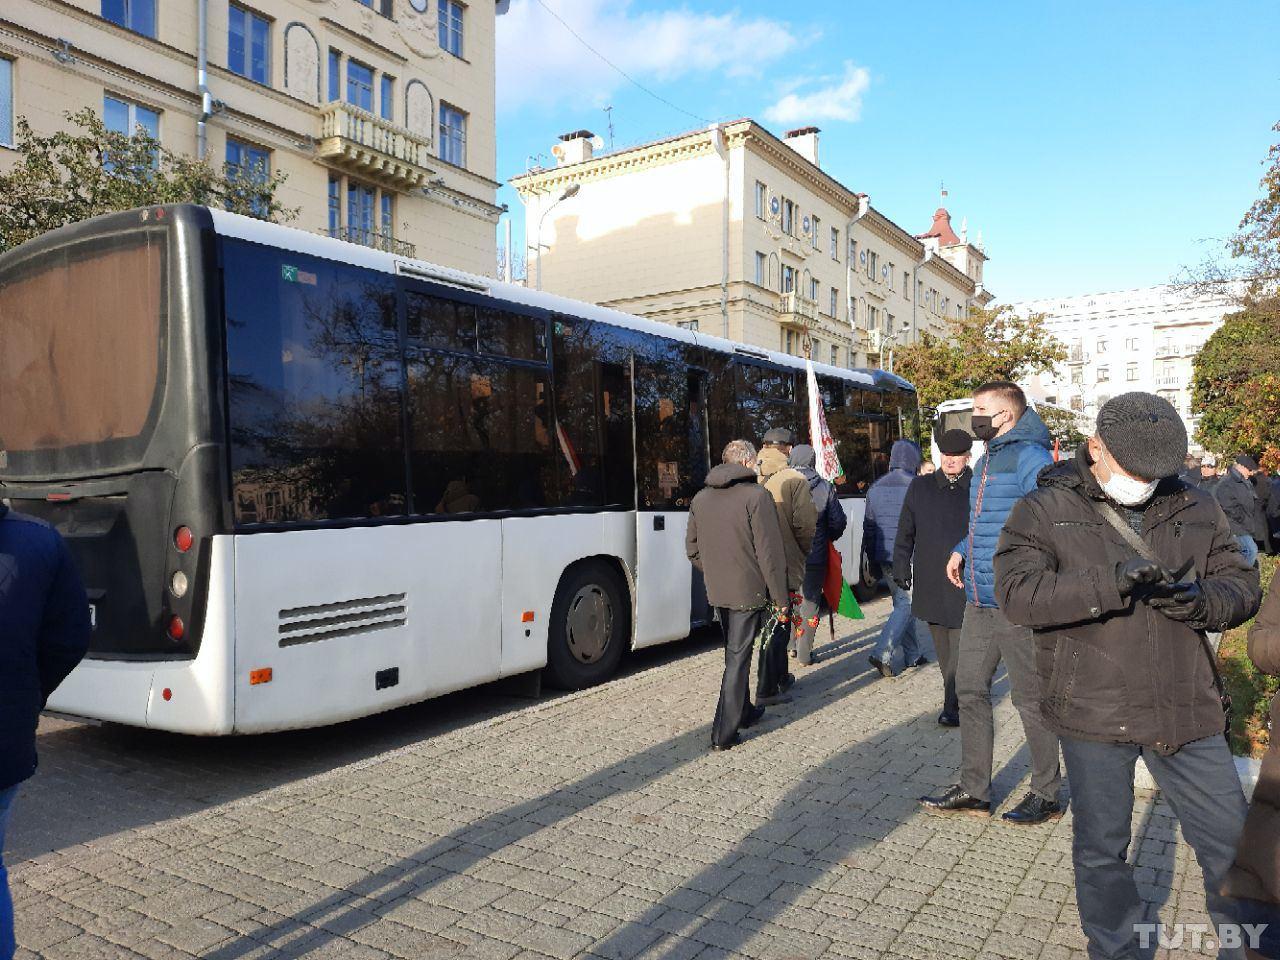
point(453, 135)
point(1131, 372)
point(1104, 375)
point(814, 289)
point(871, 265)
point(450, 27)
point(360, 85)
point(136, 15)
point(835, 243)
point(873, 317)
point(762, 201)
point(817, 232)
point(1131, 344)
point(835, 303)
point(853, 251)
point(387, 97)
point(853, 312)
point(6, 102)
point(762, 269)
point(788, 278)
point(250, 164)
point(248, 44)
point(788, 218)
point(835, 355)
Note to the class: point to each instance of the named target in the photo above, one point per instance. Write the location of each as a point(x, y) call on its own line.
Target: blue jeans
point(1249, 547)
point(900, 630)
point(7, 944)
point(1200, 784)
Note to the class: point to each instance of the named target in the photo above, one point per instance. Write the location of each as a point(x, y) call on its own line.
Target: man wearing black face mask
point(1119, 567)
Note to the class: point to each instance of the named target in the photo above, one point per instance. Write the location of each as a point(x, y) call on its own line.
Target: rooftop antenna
point(608, 112)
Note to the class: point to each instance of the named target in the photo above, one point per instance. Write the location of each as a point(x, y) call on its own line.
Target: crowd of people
point(1096, 580)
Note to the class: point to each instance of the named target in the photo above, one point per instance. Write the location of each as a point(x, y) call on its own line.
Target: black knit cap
point(955, 442)
point(1143, 435)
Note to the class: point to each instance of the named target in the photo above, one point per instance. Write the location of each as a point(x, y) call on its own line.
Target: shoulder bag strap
point(1143, 549)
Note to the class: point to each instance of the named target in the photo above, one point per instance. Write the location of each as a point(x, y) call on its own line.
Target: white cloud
point(541, 63)
point(839, 99)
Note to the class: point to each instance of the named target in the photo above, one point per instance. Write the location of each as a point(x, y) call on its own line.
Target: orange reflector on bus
point(260, 676)
point(527, 617)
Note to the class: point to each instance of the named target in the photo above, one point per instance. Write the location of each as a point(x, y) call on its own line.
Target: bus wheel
point(868, 585)
point(589, 621)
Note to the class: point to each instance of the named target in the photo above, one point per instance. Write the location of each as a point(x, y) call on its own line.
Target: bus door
point(671, 464)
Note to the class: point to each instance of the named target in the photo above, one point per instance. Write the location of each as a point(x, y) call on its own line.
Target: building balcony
point(358, 142)
point(1077, 355)
point(371, 238)
point(797, 311)
point(1173, 381)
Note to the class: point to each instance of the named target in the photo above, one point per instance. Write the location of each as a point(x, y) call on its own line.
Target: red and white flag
point(828, 462)
point(566, 449)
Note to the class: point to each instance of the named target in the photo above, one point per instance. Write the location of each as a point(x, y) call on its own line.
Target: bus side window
point(662, 428)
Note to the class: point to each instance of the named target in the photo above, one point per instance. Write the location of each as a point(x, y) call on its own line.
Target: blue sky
point(1098, 146)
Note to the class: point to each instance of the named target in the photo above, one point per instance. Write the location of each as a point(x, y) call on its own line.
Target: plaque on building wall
point(301, 63)
point(419, 111)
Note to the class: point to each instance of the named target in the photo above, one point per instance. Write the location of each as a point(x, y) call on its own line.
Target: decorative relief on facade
point(417, 30)
point(419, 110)
point(301, 63)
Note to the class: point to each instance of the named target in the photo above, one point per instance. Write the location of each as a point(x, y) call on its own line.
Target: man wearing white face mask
point(1119, 567)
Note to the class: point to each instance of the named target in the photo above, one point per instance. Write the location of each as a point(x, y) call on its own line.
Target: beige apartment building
point(735, 232)
point(380, 112)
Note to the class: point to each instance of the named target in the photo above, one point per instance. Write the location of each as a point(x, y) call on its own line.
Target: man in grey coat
point(735, 540)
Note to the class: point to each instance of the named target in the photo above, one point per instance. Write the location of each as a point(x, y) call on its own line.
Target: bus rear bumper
point(184, 696)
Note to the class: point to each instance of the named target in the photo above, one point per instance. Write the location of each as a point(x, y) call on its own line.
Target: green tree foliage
point(1236, 386)
point(984, 344)
point(85, 170)
point(1064, 426)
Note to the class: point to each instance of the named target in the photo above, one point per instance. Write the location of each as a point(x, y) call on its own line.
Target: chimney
point(804, 141)
point(574, 147)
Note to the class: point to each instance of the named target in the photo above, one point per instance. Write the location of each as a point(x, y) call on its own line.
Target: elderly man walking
point(734, 539)
point(44, 633)
point(1119, 568)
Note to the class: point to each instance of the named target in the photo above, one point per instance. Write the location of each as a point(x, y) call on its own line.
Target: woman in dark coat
point(1256, 873)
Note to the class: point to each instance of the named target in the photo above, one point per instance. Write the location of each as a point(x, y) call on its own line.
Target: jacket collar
point(1029, 429)
point(943, 483)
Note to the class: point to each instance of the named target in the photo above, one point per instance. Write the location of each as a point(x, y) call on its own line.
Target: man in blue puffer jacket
point(1018, 445)
point(879, 534)
point(44, 632)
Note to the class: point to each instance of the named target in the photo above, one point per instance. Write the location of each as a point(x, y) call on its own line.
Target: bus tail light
point(177, 629)
point(183, 538)
point(166, 694)
point(262, 675)
point(527, 617)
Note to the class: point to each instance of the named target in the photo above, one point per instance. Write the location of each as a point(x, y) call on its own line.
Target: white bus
point(307, 481)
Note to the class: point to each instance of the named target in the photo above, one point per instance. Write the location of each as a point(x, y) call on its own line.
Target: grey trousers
point(986, 638)
point(810, 610)
point(946, 641)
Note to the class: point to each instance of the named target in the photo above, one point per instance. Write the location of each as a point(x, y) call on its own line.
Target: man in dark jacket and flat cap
point(1245, 508)
point(735, 540)
point(935, 517)
point(1119, 568)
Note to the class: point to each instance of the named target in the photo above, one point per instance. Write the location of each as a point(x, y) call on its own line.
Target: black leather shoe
point(921, 661)
point(1033, 809)
point(786, 683)
point(886, 670)
point(752, 717)
point(948, 720)
point(718, 747)
point(955, 800)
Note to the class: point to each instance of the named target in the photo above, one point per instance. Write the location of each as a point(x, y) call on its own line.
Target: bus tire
point(867, 585)
point(590, 620)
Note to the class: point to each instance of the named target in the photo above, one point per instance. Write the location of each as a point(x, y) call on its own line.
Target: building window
point(788, 278)
point(136, 15)
point(6, 102)
point(762, 269)
point(873, 317)
point(871, 264)
point(1104, 375)
point(853, 251)
point(249, 45)
point(125, 116)
point(453, 135)
point(1131, 343)
point(835, 355)
point(893, 272)
point(788, 218)
point(1102, 347)
point(387, 97)
point(789, 341)
point(360, 85)
point(335, 74)
point(906, 285)
point(814, 289)
point(451, 27)
point(250, 164)
point(762, 201)
point(853, 312)
point(382, 6)
point(835, 302)
point(387, 211)
point(335, 206)
point(1131, 372)
point(817, 230)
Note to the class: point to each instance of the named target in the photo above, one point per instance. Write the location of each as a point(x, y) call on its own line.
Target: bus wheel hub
point(590, 623)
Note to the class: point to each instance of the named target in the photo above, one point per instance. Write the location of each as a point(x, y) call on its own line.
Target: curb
point(1246, 767)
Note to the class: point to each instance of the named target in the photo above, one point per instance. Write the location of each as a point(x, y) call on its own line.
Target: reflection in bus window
point(314, 378)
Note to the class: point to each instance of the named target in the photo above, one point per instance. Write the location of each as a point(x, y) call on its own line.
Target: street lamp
point(570, 191)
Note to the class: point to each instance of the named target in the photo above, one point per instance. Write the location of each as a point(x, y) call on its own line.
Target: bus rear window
point(80, 341)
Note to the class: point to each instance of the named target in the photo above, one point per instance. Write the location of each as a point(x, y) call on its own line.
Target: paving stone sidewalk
point(596, 824)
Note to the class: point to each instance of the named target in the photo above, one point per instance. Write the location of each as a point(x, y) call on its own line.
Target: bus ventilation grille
point(344, 618)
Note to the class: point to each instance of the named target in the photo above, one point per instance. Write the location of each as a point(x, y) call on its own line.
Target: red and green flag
point(836, 590)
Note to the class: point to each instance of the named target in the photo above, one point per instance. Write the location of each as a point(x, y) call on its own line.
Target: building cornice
point(948, 272)
point(659, 153)
point(886, 229)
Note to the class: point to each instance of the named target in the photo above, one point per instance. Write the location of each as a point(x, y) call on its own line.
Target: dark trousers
point(740, 630)
point(773, 656)
point(946, 641)
point(986, 638)
point(1200, 783)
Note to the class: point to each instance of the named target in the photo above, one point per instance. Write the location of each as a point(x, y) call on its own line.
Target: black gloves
point(1138, 572)
point(1181, 601)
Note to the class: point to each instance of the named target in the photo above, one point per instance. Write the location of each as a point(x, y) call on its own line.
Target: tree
point(86, 170)
point(984, 344)
point(1236, 386)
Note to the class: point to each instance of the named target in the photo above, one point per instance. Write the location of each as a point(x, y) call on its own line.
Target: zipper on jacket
point(977, 512)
